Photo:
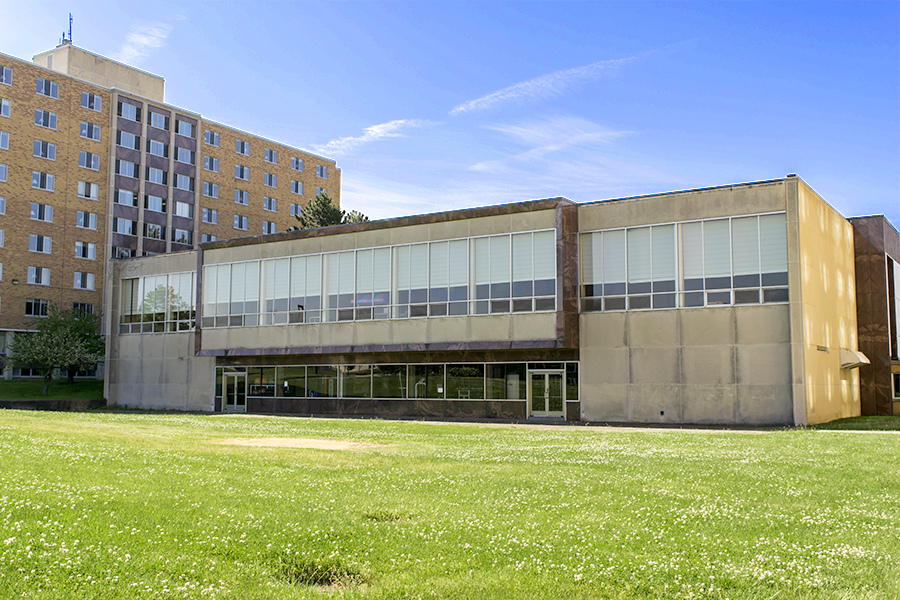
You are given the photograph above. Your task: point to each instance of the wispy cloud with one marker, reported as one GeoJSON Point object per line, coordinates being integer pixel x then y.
{"type": "Point", "coordinates": [141, 41]}
{"type": "Point", "coordinates": [345, 145]}
{"type": "Point", "coordinates": [544, 86]}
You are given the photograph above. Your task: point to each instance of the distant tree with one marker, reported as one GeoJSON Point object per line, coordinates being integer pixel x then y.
{"type": "Point", "coordinates": [321, 212]}
{"type": "Point", "coordinates": [66, 339]}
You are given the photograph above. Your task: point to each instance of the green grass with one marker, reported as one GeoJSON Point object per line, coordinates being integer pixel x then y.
{"type": "Point", "coordinates": [60, 389]}
{"type": "Point", "coordinates": [124, 505]}
{"type": "Point", "coordinates": [864, 424]}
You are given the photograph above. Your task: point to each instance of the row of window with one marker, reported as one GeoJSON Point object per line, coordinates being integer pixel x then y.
{"type": "Point", "coordinates": [41, 276]}
{"type": "Point", "coordinates": [44, 212]}
{"type": "Point", "coordinates": [269, 155]}
{"type": "Point", "coordinates": [738, 260]}
{"type": "Point", "coordinates": [36, 307]}
{"type": "Point", "coordinates": [485, 275]}
{"type": "Point", "coordinates": [152, 231]}
{"type": "Point", "coordinates": [157, 120]}
{"type": "Point", "coordinates": [440, 381]}
{"type": "Point", "coordinates": [154, 175]}
{"type": "Point", "coordinates": [48, 119]}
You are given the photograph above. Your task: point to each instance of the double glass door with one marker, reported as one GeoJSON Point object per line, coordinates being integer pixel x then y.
{"type": "Point", "coordinates": [546, 393]}
{"type": "Point", "coordinates": [235, 398]}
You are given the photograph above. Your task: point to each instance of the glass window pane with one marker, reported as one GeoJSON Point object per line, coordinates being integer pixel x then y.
{"type": "Point", "coordinates": [500, 259]}
{"type": "Point", "coordinates": [745, 246]}
{"type": "Point", "coordinates": [663, 261]}
{"type": "Point", "coordinates": [506, 381]}
{"type": "Point", "coordinates": [356, 381]}
{"type": "Point", "coordinates": [322, 381]}
{"type": "Point", "coordinates": [522, 268]}
{"type": "Point", "coordinates": [389, 381]}
{"type": "Point", "coordinates": [614, 260]}
{"type": "Point", "coordinates": [426, 381]}
{"type": "Point", "coordinates": [465, 382]}
{"type": "Point", "coordinates": [440, 268]}
{"type": "Point", "coordinates": [638, 255]}
{"type": "Point", "coordinates": [773, 243]}
{"type": "Point", "coordinates": [716, 249]}
{"type": "Point", "coordinates": [292, 382]}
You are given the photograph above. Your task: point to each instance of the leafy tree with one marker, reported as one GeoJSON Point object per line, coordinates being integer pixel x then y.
{"type": "Point", "coordinates": [67, 339]}
{"type": "Point", "coordinates": [321, 212]}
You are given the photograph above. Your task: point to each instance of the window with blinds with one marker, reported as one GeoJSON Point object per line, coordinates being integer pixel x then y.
{"type": "Point", "coordinates": [485, 275]}
{"type": "Point", "coordinates": [739, 260]}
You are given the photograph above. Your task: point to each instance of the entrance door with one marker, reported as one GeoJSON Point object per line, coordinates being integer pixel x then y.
{"type": "Point", "coordinates": [235, 392]}
{"type": "Point", "coordinates": [546, 393]}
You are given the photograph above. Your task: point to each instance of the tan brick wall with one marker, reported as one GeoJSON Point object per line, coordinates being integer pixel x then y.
{"type": "Point", "coordinates": [17, 224]}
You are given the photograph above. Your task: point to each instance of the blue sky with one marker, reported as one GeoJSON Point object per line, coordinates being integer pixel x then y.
{"type": "Point", "coordinates": [436, 106]}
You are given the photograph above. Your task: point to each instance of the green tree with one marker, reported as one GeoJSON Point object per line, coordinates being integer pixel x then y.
{"type": "Point", "coordinates": [321, 212]}
{"type": "Point", "coordinates": [67, 339]}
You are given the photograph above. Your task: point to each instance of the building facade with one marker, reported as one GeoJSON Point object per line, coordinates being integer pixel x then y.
{"type": "Point", "coordinates": [878, 308]}
{"type": "Point", "coordinates": [94, 164]}
{"type": "Point", "coordinates": [728, 305]}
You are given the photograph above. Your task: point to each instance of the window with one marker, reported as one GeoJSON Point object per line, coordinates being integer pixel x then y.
{"type": "Point", "coordinates": [85, 250]}
{"type": "Point", "coordinates": [241, 222]}
{"type": "Point", "coordinates": [183, 155]}
{"type": "Point", "coordinates": [184, 128]}
{"type": "Point", "coordinates": [241, 197]}
{"type": "Point", "coordinates": [321, 171]}
{"type": "Point", "coordinates": [124, 226]}
{"type": "Point", "coordinates": [128, 140]}
{"type": "Point", "coordinates": [91, 101]}
{"type": "Point", "coordinates": [87, 190]}
{"type": "Point", "coordinates": [296, 209]}
{"type": "Point", "coordinates": [210, 189]}
{"type": "Point", "coordinates": [268, 227]}
{"type": "Point", "coordinates": [4, 107]}
{"type": "Point", "coordinates": [90, 131]}
{"type": "Point", "coordinates": [4, 140]}
{"type": "Point", "coordinates": [48, 88]}
{"type": "Point", "coordinates": [183, 182]}
{"type": "Point", "coordinates": [38, 276]}
{"type": "Point", "coordinates": [154, 231]}
{"type": "Point", "coordinates": [128, 169]}
{"type": "Point", "coordinates": [44, 118]}
{"type": "Point", "coordinates": [86, 220]}
{"type": "Point", "coordinates": [242, 147]}
{"type": "Point", "coordinates": [119, 252]}
{"type": "Point", "coordinates": [211, 164]}
{"type": "Point", "coordinates": [40, 243]}
{"type": "Point", "coordinates": [272, 156]}
{"type": "Point", "coordinates": [183, 209]}
{"type": "Point", "coordinates": [211, 138]}
{"type": "Point", "coordinates": [2, 239]}
{"type": "Point", "coordinates": [159, 121]}
{"type": "Point", "coordinates": [270, 180]}
{"type": "Point", "coordinates": [210, 215]}
{"type": "Point", "coordinates": [84, 308]}
{"type": "Point", "coordinates": [320, 190]}
{"type": "Point", "coordinates": [296, 163]}
{"type": "Point", "coordinates": [42, 181]}
{"type": "Point", "coordinates": [154, 203]}
{"type": "Point", "coordinates": [3, 171]}
{"type": "Point", "coordinates": [242, 172]}
{"type": "Point", "coordinates": [129, 111]}
{"type": "Point", "coordinates": [84, 281]}
{"type": "Point", "coordinates": [2, 205]}
{"type": "Point", "coordinates": [182, 236]}
{"type": "Point", "coordinates": [157, 148]}
{"type": "Point", "coordinates": [297, 187]}
{"type": "Point", "coordinates": [44, 150]}
{"type": "Point", "coordinates": [89, 160]}
{"type": "Point", "coordinates": [41, 212]}
{"type": "Point", "coordinates": [36, 308]}
{"type": "Point", "coordinates": [143, 310]}
{"type": "Point", "coordinates": [207, 237]}
{"type": "Point", "coordinates": [6, 75]}
{"type": "Point", "coordinates": [270, 204]}
{"type": "Point", "coordinates": [154, 175]}
{"type": "Point", "coordinates": [126, 198]}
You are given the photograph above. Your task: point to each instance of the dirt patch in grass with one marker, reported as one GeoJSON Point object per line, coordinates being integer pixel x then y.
{"type": "Point", "coordinates": [314, 444]}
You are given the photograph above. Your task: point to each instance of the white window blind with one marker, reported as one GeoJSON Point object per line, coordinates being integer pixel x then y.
{"type": "Point", "coordinates": [614, 256]}
{"type": "Point", "coordinates": [458, 273]}
{"type": "Point", "coordinates": [381, 269]}
{"type": "Point", "coordinates": [522, 267]}
{"type": "Point", "coordinates": [716, 248]}
{"type": "Point", "coordinates": [418, 266]}
{"type": "Point", "coordinates": [223, 285]}
{"type": "Point", "coordinates": [440, 270]}
{"type": "Point", "coordinates": [638, 255]}
{"type": "Point", "coordinates": [663, 259]}
{"type": "Point", "coordinates": [591, 259]}
{"type": "Point", "coordinates": [314, 276]}
{"type": "Point", "coordinates": [692, 250]}
{"type": "Point", "coordinates": [773, 243]}
{"type": "Point", "coordinates": [298, 278]}
{"type": "Point", "coordinates": [364, 271]}
{"type": "Point", "coordinates": [544, 255]}
{"type": "Point", "coordinates": [481, 257]}
{"type": "Point", "coordinates": [500, 259]}
{"type": "Point", "coordinates": [238, 276]}
{"type": "Point", "coordinates": [745, 245]}
{"type": "Point", "coordinates": [401, 261]}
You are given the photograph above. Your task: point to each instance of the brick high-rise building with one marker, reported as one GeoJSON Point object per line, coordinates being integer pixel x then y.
{"type": "Point", "coordinates": [95, 165]}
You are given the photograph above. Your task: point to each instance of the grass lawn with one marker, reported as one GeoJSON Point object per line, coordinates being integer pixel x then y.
{"type": "Point", "coordinates": [60, 389]}
{"type": "Point", "coordinates": [125, 505]}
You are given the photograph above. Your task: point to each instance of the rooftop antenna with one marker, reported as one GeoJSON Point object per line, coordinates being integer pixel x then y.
{"type": "Point", "coordinates": [69, 40]}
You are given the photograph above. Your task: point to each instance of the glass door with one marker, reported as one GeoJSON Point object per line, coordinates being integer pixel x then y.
{"type": "Point", "coordinates": [235, 399]}
{"type": "Point", "coordinates": [546, 393]}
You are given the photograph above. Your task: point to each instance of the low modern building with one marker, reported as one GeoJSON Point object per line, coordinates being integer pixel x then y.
{"type": "Point", "coordinates": [726, 305]}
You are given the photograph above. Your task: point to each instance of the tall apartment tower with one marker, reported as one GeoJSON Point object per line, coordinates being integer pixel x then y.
{"type": "Point", "coordinates": [94, 165]}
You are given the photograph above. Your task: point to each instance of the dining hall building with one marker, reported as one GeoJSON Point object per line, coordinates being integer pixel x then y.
{"type": "Point", "coordinates": [726, 305]}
